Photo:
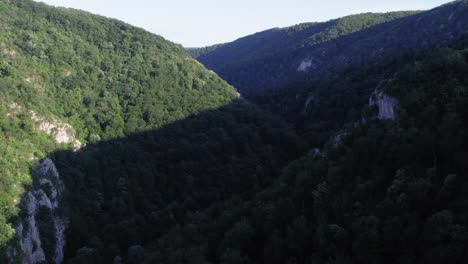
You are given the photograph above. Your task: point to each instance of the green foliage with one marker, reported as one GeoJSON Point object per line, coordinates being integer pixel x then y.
{"type": "Point", "coordinates": [20, 146]}
{"type": "Point", "coordinates": [167, 139]}
{"type": "Point", "coordinates": [140, 189]}
{"type": "Point", "coordinates": [390, 192]}
{"type": "Point", "coordinates": [177, 169]}
{"type": "Point", "coordinates": [104, 77]}
{"type": "Point", "coordinates": [343, 61]}
{"type": "Point", "coordinates": [262, 63]}
{"type": "Point", "coordinates": [198, 52]}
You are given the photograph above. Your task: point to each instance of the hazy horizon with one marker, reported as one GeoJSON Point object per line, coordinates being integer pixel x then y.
{"type": "Point", "coordinates": [208, 22]}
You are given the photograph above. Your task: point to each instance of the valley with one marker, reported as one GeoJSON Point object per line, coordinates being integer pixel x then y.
{"type": "Point", "coordinates": [328, 142]}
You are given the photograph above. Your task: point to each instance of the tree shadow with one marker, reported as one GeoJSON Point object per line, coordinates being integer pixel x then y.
{"type": "Point", "coordinates": [136, 190]}
{"type": "Point", "coordinates": [378, 49]}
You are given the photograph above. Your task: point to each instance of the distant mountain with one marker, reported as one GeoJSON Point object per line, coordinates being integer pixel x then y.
{"type": "Point", "coordinates": [391, 188]}
{"type": "Point", "coordinates": [280, 58]}
{"type": "Point", "coordinates": [321, 84]}
{"type": "Point", "coordinates": [262, 52]}
{"type": "Point", "coordinates": [117, 147]}
{"type": "Point", "coordinates": [197, 52]}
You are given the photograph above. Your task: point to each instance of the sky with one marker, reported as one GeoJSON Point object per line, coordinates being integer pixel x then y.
{"type": "Point", "coordinates": [198, 23]}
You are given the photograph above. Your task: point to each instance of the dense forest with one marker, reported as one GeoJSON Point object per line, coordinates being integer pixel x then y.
{"type": "Point", "coordinates": [283, 58]}
{"type": "Point", "coordinates": [144, 187]}
{"type": "Point", "coordinates": [109, 80]}
{"type": "Point", "coordinates": [390, 191]}
{"type": "Point", "coordinates": [198, 52]}
{"type": "Point", "coordinates": [348, 144]}
{"type": "Point", "coordinates": [319, 85]}
{"type": "Point", "coordinates": [275, 55]}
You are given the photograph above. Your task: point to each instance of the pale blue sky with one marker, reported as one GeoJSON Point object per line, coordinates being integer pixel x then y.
{"type": "Point", "coordinates": [196, 23]}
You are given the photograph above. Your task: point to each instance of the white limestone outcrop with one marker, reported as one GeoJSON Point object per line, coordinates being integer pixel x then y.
{"type": "Point", "coordinates": [59, 130]}
{"type": "Point", "coordinates": [62, 132]}
{"type": "Point", "coordinates": [6, 51]}
{"type": "Point", "coordinates": [310, 100]}
{"type": "Point", "coordinates": [305, 65]}
{"type": "Point", "coordinates": [28, 231]}
{"type": "Point", "coordinates": [387, 104]}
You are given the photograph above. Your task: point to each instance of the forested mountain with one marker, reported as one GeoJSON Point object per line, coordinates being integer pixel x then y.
{"type": "Point", "coordinates": [280, 58]}
{"type": "Point", "coordinates": [140, 191]}
{"type": "Point", "coordinates": [197, 52]}
{"type": "Point", "coordinates": [271, 59]}
{"type": "Point", "coordinates": [124, 96]}
{"type": "Point", "coordinates": [116, 146]}
{"type": "Point", "coordinates": [318, 86]}
{"type": "Point", "coordinates": [387, 189]}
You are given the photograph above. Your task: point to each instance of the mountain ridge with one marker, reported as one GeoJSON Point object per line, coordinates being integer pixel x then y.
{"type": "Point", "coordinates": [284, 65]}
{"type": "Point", "coordinates": [356, 154]}
{"type": "Point", "coordinates": [65, 70]}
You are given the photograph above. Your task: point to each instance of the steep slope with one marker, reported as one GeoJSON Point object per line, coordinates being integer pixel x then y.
{"type": "Point", "coordinates": [134, 193]}
{"type": "Point", "coordinates": [95, 86]}
{"type": "Point", "coordinates": [20, 147]}
{"type": "Point", "coordinates": [271, 56]}
{"type": "Point", "coordinates": [117, 147]}
{"type": "Point", "coordinates": [321, 86]}
{"type": "Point", "coordinates": [102, 75]}
{"type": "Point", "coordinates": [198, 52]}
{"type": "Point", "coordinates": [274, 59]}
{"type": "Point", "coordinates": [391, 188]}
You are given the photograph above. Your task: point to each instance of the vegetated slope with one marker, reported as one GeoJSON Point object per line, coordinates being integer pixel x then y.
{"type": "Point", "coordinates": [382, 191]}
{"type": "Point", "coordinates": [20, 147]}
{"type": "Point", "coordinates": [103, 76]}
{"type": "Point", "coordinates": [197, 52]}
{"type": "Point", "coordinates": [177, 169]}
{"type": "Point", "coordinates": [129, 197]}
{"type": "Point", "coordinates": [109, 81]}
{"type": "Point", "coordinates": [326, 50]}
{"type": "Point", "coordinates": [270, 56]}
{"type": "Point", "coordinates": [338, 76]}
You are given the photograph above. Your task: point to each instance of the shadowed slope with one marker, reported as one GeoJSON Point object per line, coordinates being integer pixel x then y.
{"type": "Point", "coordinates": [381, 191]}
{"type": "Point", "coordinates": [105, 78]}
{"type": "Point", "coordinates": [276, 59]}
{"type": "Point", "coordinates": [140, 189]}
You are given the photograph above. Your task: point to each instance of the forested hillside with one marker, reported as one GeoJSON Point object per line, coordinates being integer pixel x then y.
{"type": "Point", "coordinates": [284, 58]}
{"type": "Point", "coordinates": [382, 191]}
{"type": "Point", "coordinates": [117, 147]}
{"type": "Point", "coordinates": [160, 190]}
{"type": "Point", "coordinates": [198, 52]}
{"type": "Point", "coordinates": [268, 60]}
{"type": "Point", "coordinates": [101, 80]}
{"type": "Point", "coordinates": [56, 61]}
{"type": "Point", "coordinates": [318, 87]}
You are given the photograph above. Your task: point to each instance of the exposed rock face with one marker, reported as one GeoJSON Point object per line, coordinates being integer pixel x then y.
{"type": "Point", "coordinates": [30, 241]}
{"type": "Point", "coordinates": [45, 195]}
{"type": "Point", "coordinates": [308, 102]}
{"type": "Point", "coordinates": [5, 51]}
{"type": "Point", "coordinates": [336, 140]}
{"type": "Point", "coordinates": [59, 130]}
{"type": "Point", "coordinates": [60, 225]}
{"type": "Point", "coordinates": [14, 109]}
{"type": "Point", "coordinates": [316, 153]}
{"type": "Point", "coordinates": [66, 73]}
{"type": "Point", "coordinates": [43, 199]}
{"type": "Point", "coordinates": [387, 104]}
{"type": "Point", "coordinates": [305, 65]}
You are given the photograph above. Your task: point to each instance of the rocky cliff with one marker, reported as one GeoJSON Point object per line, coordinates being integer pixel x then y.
{"type": "Point", "coordinates": [41, 229]}
{"type": "Point", "coordinates": [387, 104]}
